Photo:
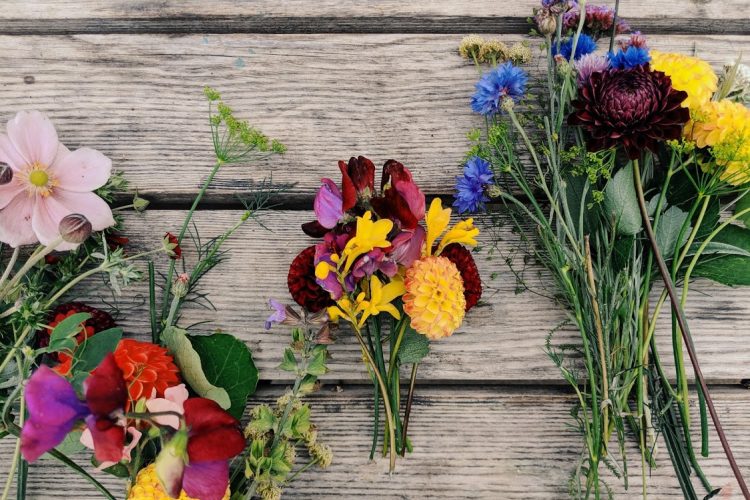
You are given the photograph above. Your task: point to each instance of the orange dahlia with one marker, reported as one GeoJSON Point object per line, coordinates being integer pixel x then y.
{"type": "Point", "coordinates": [434, 298]}
{"type": "Point", "coordinates": [146, 367]}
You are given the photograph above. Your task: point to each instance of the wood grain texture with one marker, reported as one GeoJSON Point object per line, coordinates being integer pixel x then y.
{"type": "Point", "coordinates": [334, 16]}
{"type": "Point", "coordinates": [138, 99]}
{"type": "Point", "coordinates": [469, 443]}
{"type": "Point", "coordinates": [501, 340]}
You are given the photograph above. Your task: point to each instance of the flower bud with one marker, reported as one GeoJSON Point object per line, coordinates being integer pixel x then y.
{"type": "Point", "coordinates": [75, 228]}
{"type": "Point", "coordinates": [6, 174]}
{"type": "Point", "coordinates": [140, 204]}
{"type": "Point", "coordinates": [494, 191]}
{"type": "Point", "coordinates": [545, 22]}
{"type": "Point", "coordinates": [181, 285]}
{"type": "Point", "coordinates": [469, 46]}
{"type": "Point", "coordinates": [507, 104]}
{"type": "Point", "coordinates": [170, 464]}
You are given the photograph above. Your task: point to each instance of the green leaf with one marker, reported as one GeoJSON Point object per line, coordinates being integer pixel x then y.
{"type": "Point", "coordinates": [621, 202]}
{"type": "Point", "coordinates": [731, 270]}
{"type": "Point", "coordinates": [718, 248]}
{"type": "Point", "coordinates": [289, 363]}
{"type": "Point", "coordinates": [228, 363]}
{"type": "Point", "coordinates": [117, 470]}
{"type": "Point", "coordinates": [743, 204]}
{"type": "Point", "coordinates": [61, 338]}
{"type": "Point", "coordinates": [668, 230]}
{"type": "Point", "coordinates": [317, 364]}
{"type": "Point", "coordinates": [70, 445]}
{"type": "Point", "coordinates": [414, 346]}
{"type": "Point", "coordinates": [574, 187]}
{"type": "Point", "coordinates": [191, 368]}
{"type": "Point", "coordinates": [90, 353]}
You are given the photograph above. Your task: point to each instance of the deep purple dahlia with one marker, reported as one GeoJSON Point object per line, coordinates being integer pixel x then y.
{"type": "Point", "coordinates": [635, 108]}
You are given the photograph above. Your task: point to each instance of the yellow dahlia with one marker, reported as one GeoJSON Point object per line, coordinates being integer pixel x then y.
{"type": "Point", "coordinates": [724, 126]}
{"type": "Point", "coordinates": [694, 76]}
{"type": "Point", "coordinates": [147, 487]}
{"type": "Point", "coordinates": [434, 298]}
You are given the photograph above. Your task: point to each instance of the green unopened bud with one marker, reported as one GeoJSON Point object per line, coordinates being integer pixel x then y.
{"type": "Point", "coordinates": [170, 463]}
{"type": "Point", "coordinates": [181, 285]}
{"type": "Point", "coordinates": [140, 204]}
{"type": "Point", "coordinates": [6, 174]}
{"type": "Point", "coordinates": [519, 53]}
{"type": "Point", "coordinates": [469, 46]}
{"type": "Point", "coordinates": [494, 191]}
{"type": "Point", "coordinates": [546, 22]}
{"type": "Point", "coordinates": [507, 104]}
{"type": "Point", "coordinates": [75, 228]}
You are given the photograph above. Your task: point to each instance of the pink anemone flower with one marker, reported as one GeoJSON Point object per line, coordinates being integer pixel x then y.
{"type": "Point", "coordinates": [48, 182]}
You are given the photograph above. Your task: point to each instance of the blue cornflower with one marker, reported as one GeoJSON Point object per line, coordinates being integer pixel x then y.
{"type": "Point", "coordinates": [629, 58]}
{"type": "Point", "coordinates": [470, 192]}
{"type": "Point", "coordinates": [504, 81]}
{"type": "Point", "coordinates": [586, 45]}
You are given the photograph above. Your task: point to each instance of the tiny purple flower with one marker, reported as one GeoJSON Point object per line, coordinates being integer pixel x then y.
{"type": "Point", "coordinates": [278, 315]}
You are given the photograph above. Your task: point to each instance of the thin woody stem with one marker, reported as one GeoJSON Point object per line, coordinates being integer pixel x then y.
{"type": "Point", "coordinates": [680, 315]}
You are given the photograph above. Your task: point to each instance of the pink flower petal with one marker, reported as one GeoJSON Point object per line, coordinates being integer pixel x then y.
{"type": "Point", "coordinates": [89, 205]}
{"type": "Point", "coordinates": [9, 191]}
{"type": "Point", "coordinates": [48, 213]}
{"type": "Point", "coordinates": [9, 154]}
{"type": "Point", "coordinates": [33, 136]}
{"type": "Point", "coordinates": [82, 170]}
{"type": "Point", "coordinates": [15, 221]}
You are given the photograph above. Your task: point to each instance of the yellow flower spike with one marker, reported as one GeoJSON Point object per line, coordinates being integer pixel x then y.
{"type": "Point", "coordinates": [369, 235]}
{"type": "Point", "coordinates": [381, 297]}
{"type": "Point", "coordinates": [437, 220]}
{"type": "Point", "coordinates": [463, 232]}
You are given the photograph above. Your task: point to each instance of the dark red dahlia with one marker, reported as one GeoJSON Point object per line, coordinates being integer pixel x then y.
{"type": "Point", "coordinates": [99, 321]}
{"type": "Point", "coordinates": [464, 261]}
{"type": "Point", "coordinates": [635, 108]}
{"type": "Point", "coordinates": [302, 285]}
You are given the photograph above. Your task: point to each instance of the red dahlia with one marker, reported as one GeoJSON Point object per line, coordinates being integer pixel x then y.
{"type": "Point", "coordinates": [302, 285]}
{"type": "Point", "coordinates": [99, 321]}
{"type": "Point", "coordinates": [464, 261]}
{"type": "Point", "coordinates": [635, 108]}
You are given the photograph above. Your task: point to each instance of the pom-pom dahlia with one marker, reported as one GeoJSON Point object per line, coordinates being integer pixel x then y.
{"type": "Point", "coordinates": [434, 298]}
{"type": "Point", "coordinates": [302, 285]}
{"type": "Point", "coordinates": [146, 367]}
{"type": "Point", "coordinates": [691, 74]}
{"type": "Point", "coordinates": [635, 108]}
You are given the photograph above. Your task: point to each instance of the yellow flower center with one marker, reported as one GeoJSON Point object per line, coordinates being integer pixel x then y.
{"type": "Point", "coordinates": [38, 178]}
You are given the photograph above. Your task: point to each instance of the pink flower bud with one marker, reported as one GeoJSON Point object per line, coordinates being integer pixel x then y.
{"type": "Point", "coordinates": [75, 228]}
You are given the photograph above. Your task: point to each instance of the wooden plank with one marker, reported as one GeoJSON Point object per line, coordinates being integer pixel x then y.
{"type": "Point", "coordinates": [138, 99]}
{"type": "Point", "coordinates": [334, 16]}
{"type": "Point", "coordinates": [469, 443]}
{"type": "Point", "coordinates": [500, 341]}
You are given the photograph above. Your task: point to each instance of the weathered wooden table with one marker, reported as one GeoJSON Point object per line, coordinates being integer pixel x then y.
{"type": "Point", "coordinates": [331, 79]}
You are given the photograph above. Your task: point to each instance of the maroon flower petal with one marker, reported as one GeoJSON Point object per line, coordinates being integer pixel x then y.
{"type": "Point", "coordinates": [213, 433]}
{"type": "Point", "coordinates": [105, 388]}
{"type": "Point", "coordinates": [109, 438]}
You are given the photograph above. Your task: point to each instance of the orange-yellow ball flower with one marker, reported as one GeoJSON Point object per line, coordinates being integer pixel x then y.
{"type": "Point", "coordinates": [146, 367]}
{"type": "Point", "coordinates": [691, 74]}
{"type": "Point", "coordinates": [434, 298]}
{"type": "Point", "coordinates": [148, 487]}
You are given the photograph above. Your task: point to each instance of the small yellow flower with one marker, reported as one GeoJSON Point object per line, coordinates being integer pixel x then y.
{"type": "Point", "coordinates": [434, 298]}
{"type": "Point", "coordinates": [724, 127]}
{"type": "Point", "coordinates": [345, 309]}
{"type": "Point", "coordinates": [463, 232]}
{"type": "Point", "coordinates": [369, 235]}
{"type": "Point", "coordinates": [691, 74]}
{"type": "Point", "coordinates": [469, 46]}
{"type": "Point", "coordinates": [437, 220]}
{"type": "Point", "coordinates": [381, 297]}
{"type": "Point", "coordinates": [148, 487]}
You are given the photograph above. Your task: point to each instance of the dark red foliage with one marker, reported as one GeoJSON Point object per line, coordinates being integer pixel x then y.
{"type": "Point", "coordinates": [302, 285]}
{"type": "Point", "coordinates": [464, 261]}
{"type": "Point", "coordinates": [634, 108]}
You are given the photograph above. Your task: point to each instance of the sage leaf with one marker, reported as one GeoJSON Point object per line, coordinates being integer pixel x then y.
{"type": "Point", "coordinates": [621, 202]}
{"type": "Point", "coordinates": [668, 230]}
{"type": "Point", "coordinates": [414, 346]}
{"type": "Point", "coordinates": [191, 368]}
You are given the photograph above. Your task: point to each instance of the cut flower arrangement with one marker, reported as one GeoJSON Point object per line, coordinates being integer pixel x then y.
{"type": "Point", "coordinates": [397, 272]}
{"type": "Point", "coordinates": [640, 164]}
{"type": "Point", "coordinates": [162, 414]}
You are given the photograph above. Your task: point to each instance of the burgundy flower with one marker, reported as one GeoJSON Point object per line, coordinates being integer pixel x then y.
{"type": "Point", "coordinates": [197, 458]}
{"type": "Point", "coordinates": [357, 181]}
{"type": "Point", "coordinates": [401, 199]}
{"type": "Point", "coordinates": [464, 261]}
{"type": "Point", "coordinates": [635, 108]}
{"type": "Point", "coordinates": [54, 409]}
{"type": "Point", "coordinates": [176, 251]}
{"type": "Point", "coordinates": [598, 22]}
{"type": "Point", "coordinates": [302, 285]}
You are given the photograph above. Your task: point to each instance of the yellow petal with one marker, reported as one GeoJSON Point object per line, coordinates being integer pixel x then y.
{"type": "Point", "coordinates": [437, 220]}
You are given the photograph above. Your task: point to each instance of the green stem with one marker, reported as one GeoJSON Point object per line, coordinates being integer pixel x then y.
{"type": "Point", "coordinates": [9, 265]}
{"type": "Point", "coordinates": [183, 230]}
{"type": "Point", "coordinates": [152, 303]}
{"type": "Point", "coordinates": [407, 412]}
{"type": "Point", "coordinates": [31, 262]}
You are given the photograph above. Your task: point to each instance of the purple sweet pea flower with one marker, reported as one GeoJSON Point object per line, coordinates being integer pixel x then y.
{"type": "Point", "coordinates": [54, 409]}
{"type": "Point", "coordinates": [206, 480]}
{"type": "Point", "coordinates": [329, 204]}
{"type": "Point", "coordinates": [373, 261]}
{"type": "Point", "coordinates": [278, 315]}
{"type": "Point", "coordinates": [407, 246]}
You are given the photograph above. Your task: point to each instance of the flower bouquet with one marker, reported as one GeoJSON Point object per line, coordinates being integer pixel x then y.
{"type": "Point", "coordinates": [394, 270]}
{"type": "Point", "coordinates": [162, 414]}
{"type": "Point", "coordinates": [640, 164]}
